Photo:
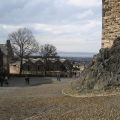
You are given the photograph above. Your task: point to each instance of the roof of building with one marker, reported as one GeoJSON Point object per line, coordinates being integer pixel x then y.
{"type": "Point", "coordinates": [33, 60]}
{"type": "Point", "coordinates": [62, 60]}
{"type": "Point", "coordinates": [4, 49]}
{"type": "Point", "coordinates": [18, 62]}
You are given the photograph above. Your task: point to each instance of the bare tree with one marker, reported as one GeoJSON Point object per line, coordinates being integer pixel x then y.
{"type": "Point", "coordinates": [23, 44]}
{"type": "Point", "coordinates": [47, 51]}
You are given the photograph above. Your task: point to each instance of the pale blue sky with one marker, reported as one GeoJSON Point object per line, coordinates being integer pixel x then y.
{"type": "Point", "coordinates": [70, 25]}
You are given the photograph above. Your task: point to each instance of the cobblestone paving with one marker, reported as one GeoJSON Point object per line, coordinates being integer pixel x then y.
{"type": "Point", "coordinates": [43, 100]}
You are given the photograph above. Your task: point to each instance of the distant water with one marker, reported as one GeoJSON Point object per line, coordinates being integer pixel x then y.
{"type": "Point", "coordinates": [71, 54]}
{"type": "Point", "coordinates": [76, 54]}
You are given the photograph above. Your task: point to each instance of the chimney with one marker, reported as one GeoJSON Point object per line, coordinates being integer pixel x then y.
{"type": "Point", "coordinates": [8, 42]}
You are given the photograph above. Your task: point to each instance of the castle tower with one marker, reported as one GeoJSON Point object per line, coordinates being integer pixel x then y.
{"type": "Point", "coordinates": [9, 49]}
{"type": "Point", "coordinates": [110, 22]}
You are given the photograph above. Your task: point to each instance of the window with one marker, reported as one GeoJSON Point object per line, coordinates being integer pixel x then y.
{"type": "Point", "coordinates": [38, 67]}
{"type": "Point", "coordinates": [57, 67]}
{"type": "Point", "coordinates": [48, 67]}
{"type": "Point", "coordinates": [28, 67]}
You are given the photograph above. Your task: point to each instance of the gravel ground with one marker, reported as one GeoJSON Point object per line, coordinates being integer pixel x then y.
{"type": "Point", "coordinates": [43, 100]}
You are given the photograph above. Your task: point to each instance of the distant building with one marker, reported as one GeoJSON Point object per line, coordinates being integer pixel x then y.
{"type": "Point", "coordinates": [1, 62]}
{"type": "Point", "coordinates": [37, 66]}
{"type": "Point", "coordinates": [6, 56]}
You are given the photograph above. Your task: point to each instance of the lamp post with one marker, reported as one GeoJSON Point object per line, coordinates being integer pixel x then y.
{"type": "Point", "coordinates": [84, 63]}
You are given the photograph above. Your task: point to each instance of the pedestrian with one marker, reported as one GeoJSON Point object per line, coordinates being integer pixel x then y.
{"type": "Point", "coordinates": [75, 74]}
{"type": "Point", "coordinates": [59, 77]}
{"type": "Point", "coordinates": [66, 74]}
{"type": "Point", "coordinates": [1, 80]}
{"type": "Point", "coordinates": [27, 79]}
{"type": "Point", "coordinates": [6, 80]}
{"type": "Point", "coordinates": [79, 73]}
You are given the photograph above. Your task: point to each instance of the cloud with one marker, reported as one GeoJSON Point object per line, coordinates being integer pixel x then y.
{"type": "Point", "coordinates": [84, 3]}
{"type": "Point", "coordinates": [71, 23]}
{"type": "Point", "coordinates": [91, 24]}
{"type": "Point", "coordinates": [84, 14]}
{"type": "Point", "coordinates": [73, 44]}
{"type": "Point", "coordinates": [69, 29]}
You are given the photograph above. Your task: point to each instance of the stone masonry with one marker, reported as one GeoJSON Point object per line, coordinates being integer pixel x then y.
{"type": "Point", "coordinates": [7, 56]}
{"type": "Point", "coordinates": [110, 22]}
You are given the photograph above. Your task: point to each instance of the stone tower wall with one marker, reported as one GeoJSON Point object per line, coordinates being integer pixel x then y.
{"type": "Point", "coordinates": [110, 22]}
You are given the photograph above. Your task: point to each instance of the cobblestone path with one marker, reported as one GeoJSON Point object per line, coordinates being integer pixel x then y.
{"type": "Point", "coordinates": [43, 100]}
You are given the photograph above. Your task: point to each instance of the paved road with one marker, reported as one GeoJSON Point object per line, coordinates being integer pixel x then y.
{"type": "Point", "coordinates": [20, 81]}
{"type": "Point", "coordinates": [44, 84]}
{"type": "Point", "coordinates": [43, 100]}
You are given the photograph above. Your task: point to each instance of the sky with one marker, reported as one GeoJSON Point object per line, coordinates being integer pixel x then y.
{"type": "Point", "coordinates": [69, 25]}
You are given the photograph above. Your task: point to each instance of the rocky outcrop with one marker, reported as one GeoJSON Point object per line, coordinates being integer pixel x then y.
{"type": "Point", "coordinates": [103, 73]}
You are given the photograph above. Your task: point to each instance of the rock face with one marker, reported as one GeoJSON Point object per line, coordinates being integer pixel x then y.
{"type": "Point", "coordinates": [103, 73]}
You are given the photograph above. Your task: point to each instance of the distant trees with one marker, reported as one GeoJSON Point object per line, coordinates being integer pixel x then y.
{"type": "Point", "coordinates": [23, 44]}
{"type": "Point", "coordinates": [47, 51]}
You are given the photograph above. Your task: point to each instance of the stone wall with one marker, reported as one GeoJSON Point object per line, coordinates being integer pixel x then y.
{"type": "Point", "coordinates": [110, 22]}
{"type": "Point", "coordinates": [15, 70]}
{"type": "Point", "coordinates": [8, 58]}
{"type": "Point", "coordinates": [1, 62]}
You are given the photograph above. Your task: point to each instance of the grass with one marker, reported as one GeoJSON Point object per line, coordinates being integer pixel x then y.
{"type": "Point", "coordinates": [75, 93]}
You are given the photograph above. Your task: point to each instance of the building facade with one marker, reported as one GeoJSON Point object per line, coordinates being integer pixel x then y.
{"type": "Point", "coordinates": [7, 56]}
{"type": "Point", "coordinates": [1, 62]}
{"type": "Point", "coordinates": [38, 66]}
{"type": "Point", "coordinates": [110, 22]}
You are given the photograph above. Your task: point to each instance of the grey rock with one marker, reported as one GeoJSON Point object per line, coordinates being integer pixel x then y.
{"type": "Point", "coordinates": [103, 72]}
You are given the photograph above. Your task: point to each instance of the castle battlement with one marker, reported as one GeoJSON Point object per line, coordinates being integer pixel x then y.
{"type": "Point", "coordinates": [110, 22]}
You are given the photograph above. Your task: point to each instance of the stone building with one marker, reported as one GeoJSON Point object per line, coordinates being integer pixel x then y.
{"type": "Point", "coordinates": [36, 66]}
{"type": "Point", "coordinates": [1, 62]}
{"type": "Point", "coordinates": [7, 56]}
{"type": "Point", "coordinates": [110, 22]}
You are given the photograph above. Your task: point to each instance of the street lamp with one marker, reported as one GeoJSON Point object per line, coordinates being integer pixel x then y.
{"type": "Point", "coordinates": [84, 63]}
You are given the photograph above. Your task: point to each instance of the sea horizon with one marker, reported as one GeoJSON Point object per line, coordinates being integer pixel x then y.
{"type": "Point", "coordinates": [76, 54]}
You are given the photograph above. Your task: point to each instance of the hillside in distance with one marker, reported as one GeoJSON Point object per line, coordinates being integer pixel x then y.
{"type": "Point", "coordinates": [76, 54]}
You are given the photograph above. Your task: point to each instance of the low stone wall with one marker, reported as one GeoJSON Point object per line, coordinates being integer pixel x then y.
{"type": "Point", "coordinates": [62, 73]}
{"type": "Point", "coordinates": [15, 70]}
